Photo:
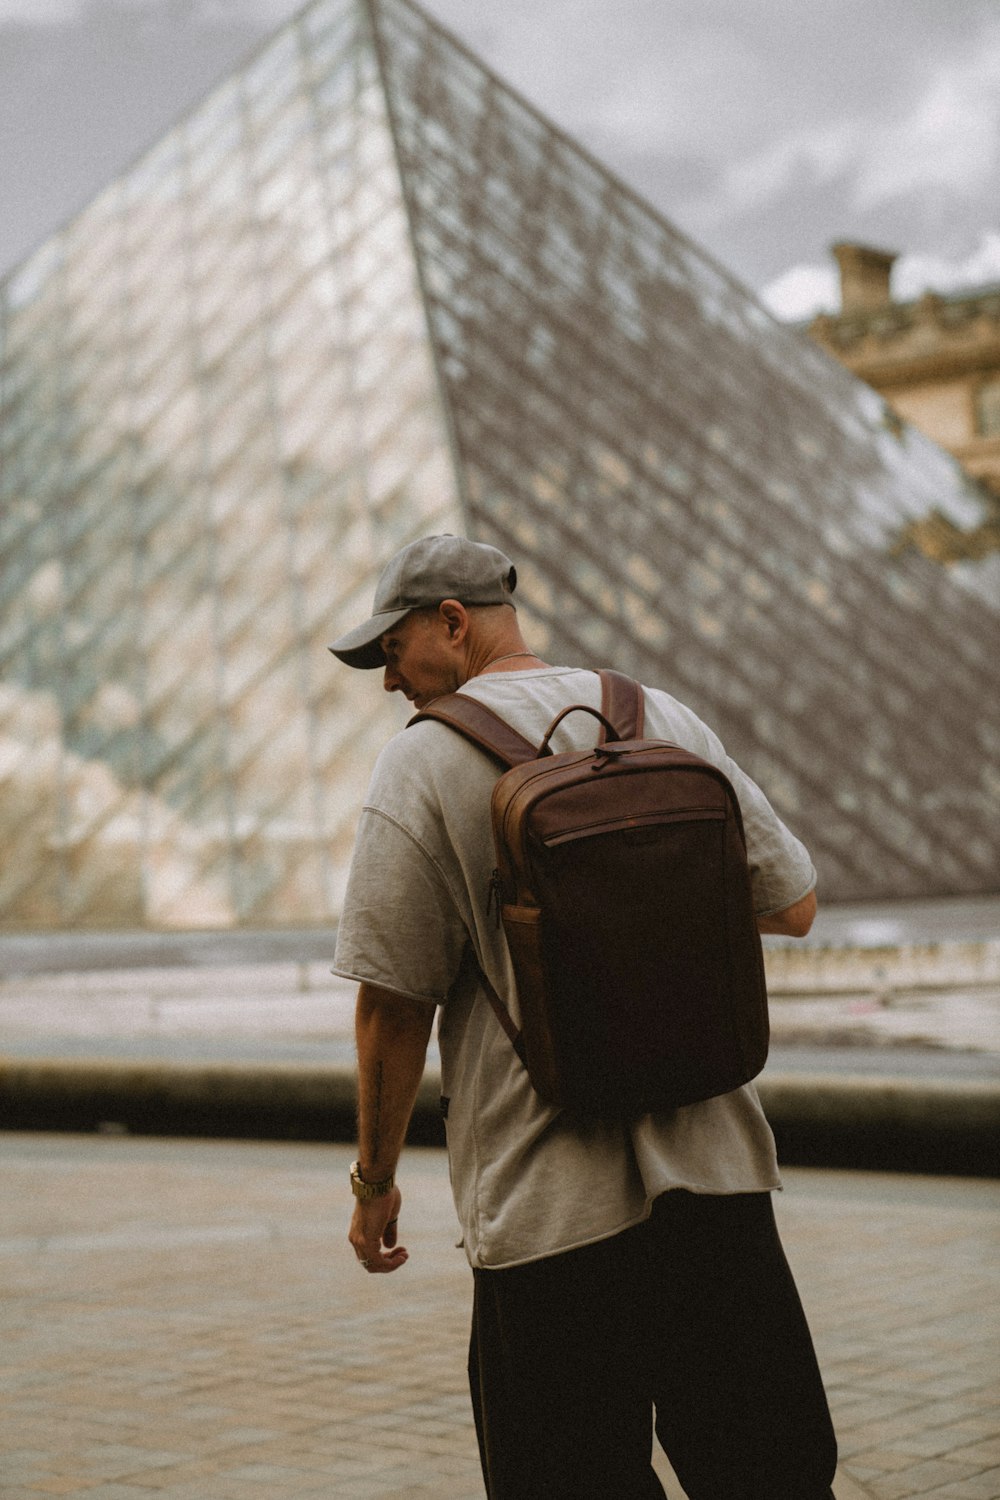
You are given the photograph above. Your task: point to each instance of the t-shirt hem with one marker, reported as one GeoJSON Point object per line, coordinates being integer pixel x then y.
{"type": "Point", "coordinates": [700, 1190]}
{"type": "Point", "coordinates": [479, 1264]}
{"type": "Point", "coordinates": [381, 984]}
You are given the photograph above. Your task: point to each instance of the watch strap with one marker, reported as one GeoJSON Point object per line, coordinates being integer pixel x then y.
{"type": "Point", "coordinates": [368, 1190]}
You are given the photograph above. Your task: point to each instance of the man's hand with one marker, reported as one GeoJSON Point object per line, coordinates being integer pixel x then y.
{"type": "Point", "coordinates": [373, 1226]}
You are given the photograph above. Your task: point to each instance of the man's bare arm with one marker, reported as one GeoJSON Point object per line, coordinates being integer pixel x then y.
{"type": "Point", "coordinates": [392, 1033]}
{"type": "Point", "coordinates": [794, 921]}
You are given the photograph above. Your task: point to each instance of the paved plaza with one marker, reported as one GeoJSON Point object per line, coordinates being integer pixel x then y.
{"type": "Point", "coordinates": [183, 1320]}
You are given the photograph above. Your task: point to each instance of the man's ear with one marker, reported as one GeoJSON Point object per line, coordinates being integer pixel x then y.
{"type": "Point", "coordinates": [456, 618]}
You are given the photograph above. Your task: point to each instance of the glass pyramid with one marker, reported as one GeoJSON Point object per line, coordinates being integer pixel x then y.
{"type": "Point", "coordinates": [364, 293]}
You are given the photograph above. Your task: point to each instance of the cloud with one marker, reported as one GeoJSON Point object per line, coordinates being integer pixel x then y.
{"type": "Point", "coordinates": [658, 95]}
{"type": "Point", "coordinates": [819, 154]}
{"type": "Point", "coordinates": [914, 274]}
{"type": "Point", "coordinates": [113, 76]}
{"type": "Point", "coordinates": [62, 12]}
{"type": "Point", "coordinates": [805, 290]}
{"type": "Point", "coordinates": [911, 160]}
{"type": "Point", "coordinates": [38, 12]}
{"type": "Point", "coordinates": [949, 142]}
{"type": "Point", "coordinates": [801, 292]}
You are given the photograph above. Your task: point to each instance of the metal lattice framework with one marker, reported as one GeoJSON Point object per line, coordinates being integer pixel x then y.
{"type": "Point", "coordinates": [364, 293]}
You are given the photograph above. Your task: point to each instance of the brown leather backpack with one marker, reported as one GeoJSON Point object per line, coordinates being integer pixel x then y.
{"type": "Point", "coordinates": [624, 892]}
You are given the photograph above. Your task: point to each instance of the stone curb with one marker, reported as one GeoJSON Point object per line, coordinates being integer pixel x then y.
{"type": "Point", "coordinates": [903, 967]}
{"type": "Point", "coordinates": [887, 1124]}
{"type": "Point", "coordinates": [838, 1120]}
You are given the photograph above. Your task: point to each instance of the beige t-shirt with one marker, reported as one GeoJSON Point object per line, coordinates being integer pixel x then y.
{"type": "Point", "coordinates": [528, 1181]}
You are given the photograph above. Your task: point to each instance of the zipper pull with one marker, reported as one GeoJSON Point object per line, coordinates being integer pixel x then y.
{"type": "Point", "coordinates": [495, 895]}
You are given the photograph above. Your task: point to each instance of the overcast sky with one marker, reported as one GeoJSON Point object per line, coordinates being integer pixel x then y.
{"type": "Point", "coordinates": [766, 129]}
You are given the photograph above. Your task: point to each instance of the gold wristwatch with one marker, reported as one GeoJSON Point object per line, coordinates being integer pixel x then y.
{"type": "Point", "coordinates": [367, 1190]}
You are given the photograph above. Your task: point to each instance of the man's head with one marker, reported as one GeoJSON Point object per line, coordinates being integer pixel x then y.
{"type": "Point", "coordinates": [420, 576]}
{"type": "Point", "coordinates": [421, 629]}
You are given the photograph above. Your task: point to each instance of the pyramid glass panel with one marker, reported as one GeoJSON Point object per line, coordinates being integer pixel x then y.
{"type": "Point", "coordinates": [365, 293]}
{"type": "Point", "coordinates": [219, 417]}
{"type": "Point", "coordinates": [694, 493]}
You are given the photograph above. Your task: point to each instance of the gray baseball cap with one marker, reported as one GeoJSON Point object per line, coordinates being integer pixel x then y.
{"type": "Point", "coordinates": [425, 572]}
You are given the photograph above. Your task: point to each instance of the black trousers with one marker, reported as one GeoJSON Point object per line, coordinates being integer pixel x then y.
{"type": "Point", "coordinates": [694, 1313]}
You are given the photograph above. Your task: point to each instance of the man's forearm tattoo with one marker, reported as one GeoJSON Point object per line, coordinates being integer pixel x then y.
{"type": "Point", "coordinates": [377, 1112]}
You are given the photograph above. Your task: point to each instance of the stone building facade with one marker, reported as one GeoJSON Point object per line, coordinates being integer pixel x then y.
{"type": "Point", "coordinates": [935, 359]}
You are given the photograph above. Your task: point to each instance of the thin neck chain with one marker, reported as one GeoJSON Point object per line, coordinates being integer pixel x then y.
{"type": "Point", "coordinates": [511, 656]}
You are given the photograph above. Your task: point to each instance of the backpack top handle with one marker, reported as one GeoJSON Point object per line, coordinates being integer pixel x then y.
{"type": "Point", "coordinates": [576, 708]}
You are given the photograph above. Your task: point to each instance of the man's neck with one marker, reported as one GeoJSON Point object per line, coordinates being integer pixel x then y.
{"type": "Point", "coordinates": [511, 661]}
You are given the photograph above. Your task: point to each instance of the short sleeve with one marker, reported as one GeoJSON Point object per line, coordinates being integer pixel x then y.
{"type": "Point", "coordinates": [400, 927]}
{"type": "Point", "coordinates": [780, 867]}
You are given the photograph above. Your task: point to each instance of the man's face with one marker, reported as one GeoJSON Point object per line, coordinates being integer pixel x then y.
{"type": "Point", "coordinates": [418, 662]}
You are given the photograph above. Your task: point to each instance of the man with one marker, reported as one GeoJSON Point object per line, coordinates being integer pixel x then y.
{"type": "Point", "coordinates": [617, 1267]}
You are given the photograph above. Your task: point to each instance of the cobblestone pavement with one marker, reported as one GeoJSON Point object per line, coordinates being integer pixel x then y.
{"type": "Point", "coordinates": [183, 1320]}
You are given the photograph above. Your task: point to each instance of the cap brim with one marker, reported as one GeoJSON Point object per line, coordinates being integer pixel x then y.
{"type": "Point", "coordinates": [360, 646]}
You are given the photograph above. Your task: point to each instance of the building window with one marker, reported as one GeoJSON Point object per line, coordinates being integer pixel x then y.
{"type": "Point", "coordinates": [988, 409]}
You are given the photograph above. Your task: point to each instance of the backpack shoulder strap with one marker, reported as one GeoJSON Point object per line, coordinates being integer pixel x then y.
{"type": "Point", "coordinates": [622, 702]}
{"type": "Point", "coordinates": [491, 733]}
{"type": "Point", "coordinates": [480, 725]}
{"type": "Point", "coordinates": [503, 1015]}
